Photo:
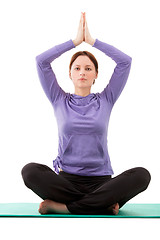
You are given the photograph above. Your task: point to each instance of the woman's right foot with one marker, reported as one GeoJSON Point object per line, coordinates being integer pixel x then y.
{"type": "Point", "coordinates": [49, 206]}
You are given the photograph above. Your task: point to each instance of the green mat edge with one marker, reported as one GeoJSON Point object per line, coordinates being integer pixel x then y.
{"type": "Point", "coordinates": [38, 215]}
{"type": "Point", "coordinates": [75, 216]}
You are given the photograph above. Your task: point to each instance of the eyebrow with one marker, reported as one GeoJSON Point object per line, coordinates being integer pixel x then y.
{"type": "Point", "coordinates": [79, 65]}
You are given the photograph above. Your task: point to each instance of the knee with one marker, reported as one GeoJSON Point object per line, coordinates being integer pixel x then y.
{"type": "Point", "coordinates": [28, 172]}
{"type": "Point", "coordinates": [143, 176]}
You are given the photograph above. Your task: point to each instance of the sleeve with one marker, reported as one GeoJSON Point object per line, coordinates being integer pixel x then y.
{"type": "Point", "coordinates": [121, 71]}
{"type": "Point", "coordinates": [46, 75]}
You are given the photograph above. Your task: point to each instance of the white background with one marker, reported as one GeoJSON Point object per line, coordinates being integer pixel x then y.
{"type": "Point", "coordinates": [28, 128]}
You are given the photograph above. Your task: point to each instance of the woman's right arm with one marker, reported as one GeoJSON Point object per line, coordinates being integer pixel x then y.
{"type": "Point", "coordinates": [46, 75]}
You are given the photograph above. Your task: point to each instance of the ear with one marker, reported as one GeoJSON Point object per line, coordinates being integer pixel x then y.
{"type": "Point", "coordinates": [96, 75]}
{"type": "Point", "coordinates": [70, 75]}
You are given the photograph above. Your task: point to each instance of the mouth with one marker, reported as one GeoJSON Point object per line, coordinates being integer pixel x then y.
{"type": "Point", "coordinates": [82, 79]}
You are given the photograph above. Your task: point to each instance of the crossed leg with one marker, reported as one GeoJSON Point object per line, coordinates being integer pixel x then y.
{"type": "Point", "coordinates": [119, 189]}
{"type": "Point", "coordinates": [60, 195]}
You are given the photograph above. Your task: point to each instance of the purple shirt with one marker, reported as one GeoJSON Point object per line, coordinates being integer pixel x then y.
{"type": "Point", "coordinates": [83, 121]}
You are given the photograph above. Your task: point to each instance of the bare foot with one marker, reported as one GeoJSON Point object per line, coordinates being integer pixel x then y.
{"type": "Point", "coordinates": [114, 209]}
{"type": "Point", "coordinates": [49, 206]}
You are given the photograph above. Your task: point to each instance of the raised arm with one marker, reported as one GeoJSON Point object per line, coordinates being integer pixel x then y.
{"type": "Point", "coordinates": [121, 71]}
{"type": "Point", "coordinates": [46, 75]}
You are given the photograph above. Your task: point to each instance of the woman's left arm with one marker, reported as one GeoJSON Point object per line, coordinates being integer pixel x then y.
{"type": "Point", "coordinates": [121, 71]}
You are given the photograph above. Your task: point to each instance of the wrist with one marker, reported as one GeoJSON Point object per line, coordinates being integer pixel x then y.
{"type": "Point", "coordinates": [75, 42]}
{"type": "Point", "coordinates": [92, 41]}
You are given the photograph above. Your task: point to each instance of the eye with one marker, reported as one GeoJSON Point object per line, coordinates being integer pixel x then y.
{"type": "Point", "coordinates": [76, 68]}
{"type": "Point", "coordinates": [88, 69]}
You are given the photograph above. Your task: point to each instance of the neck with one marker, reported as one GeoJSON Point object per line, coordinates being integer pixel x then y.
{"type": "Point", "coordinates": [82, 93]}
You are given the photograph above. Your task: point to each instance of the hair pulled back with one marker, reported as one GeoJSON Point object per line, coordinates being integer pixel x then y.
{"type": "Point", "coordinates": [84, 53]}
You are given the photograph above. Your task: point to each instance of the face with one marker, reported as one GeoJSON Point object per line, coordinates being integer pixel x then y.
{"type": "Point", "coordinates": [83, 72]}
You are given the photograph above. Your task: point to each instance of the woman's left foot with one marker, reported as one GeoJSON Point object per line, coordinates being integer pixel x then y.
{"type": "Point", "coordinates": [49, 206]}
{"type": "Point", "coordinates": [114, 209]}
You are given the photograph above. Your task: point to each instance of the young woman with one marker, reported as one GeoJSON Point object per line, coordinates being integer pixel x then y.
{"type": "Point", "coordinates": [82, 181]}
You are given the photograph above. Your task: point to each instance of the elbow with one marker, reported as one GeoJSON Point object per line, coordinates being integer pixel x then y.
{"type": "Point", "coordinates": [38, 60]}
{"type": "Point", "coordinates": [126, 61]}
{"type": "Point", "coordinates": [130, 59]}
{"type": "Point", "coordinates": [41, 61]}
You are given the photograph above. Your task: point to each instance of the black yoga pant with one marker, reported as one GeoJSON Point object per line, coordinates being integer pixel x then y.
{"type": "Point", "coordinates": [85, 194]}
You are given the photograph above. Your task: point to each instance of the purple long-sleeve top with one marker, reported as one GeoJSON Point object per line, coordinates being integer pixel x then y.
{"type": "Point", "coordinates": [83, 121]}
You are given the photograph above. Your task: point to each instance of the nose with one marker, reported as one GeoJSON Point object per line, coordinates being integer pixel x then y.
{"type": "Point", "coordinates": [82, 73]}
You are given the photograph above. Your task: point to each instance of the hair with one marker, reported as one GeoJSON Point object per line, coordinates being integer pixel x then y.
{"type": "Point", "coordinates": [84, 53]}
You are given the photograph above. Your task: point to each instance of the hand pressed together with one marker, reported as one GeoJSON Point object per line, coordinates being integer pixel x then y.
{"type": "Point", "coordinates": [83, 33]}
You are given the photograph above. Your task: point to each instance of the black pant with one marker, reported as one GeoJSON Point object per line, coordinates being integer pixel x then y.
{"type": "Point", "coordinates": [85, 194]}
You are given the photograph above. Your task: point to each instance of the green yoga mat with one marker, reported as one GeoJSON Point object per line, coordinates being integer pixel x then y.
{"type": "Point", "coordinates": [127, 211]}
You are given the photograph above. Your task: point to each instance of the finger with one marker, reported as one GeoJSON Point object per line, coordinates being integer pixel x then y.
{"type": "Point", "coordinates": [81, 17]}
{"type": "Point", "coordinates": [84, 17]}
{"type": "Point", "coordinates": [86, 24]}
{"type": "Point", "coordinates": [84, 32]}
{"type": "Point", "coordinates": [81, 21]}
{"type": "Point", "coordinates": [86, 29]}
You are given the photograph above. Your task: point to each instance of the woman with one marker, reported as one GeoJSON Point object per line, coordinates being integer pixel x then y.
{"type": "Point", "coordinates": [82, 181]}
